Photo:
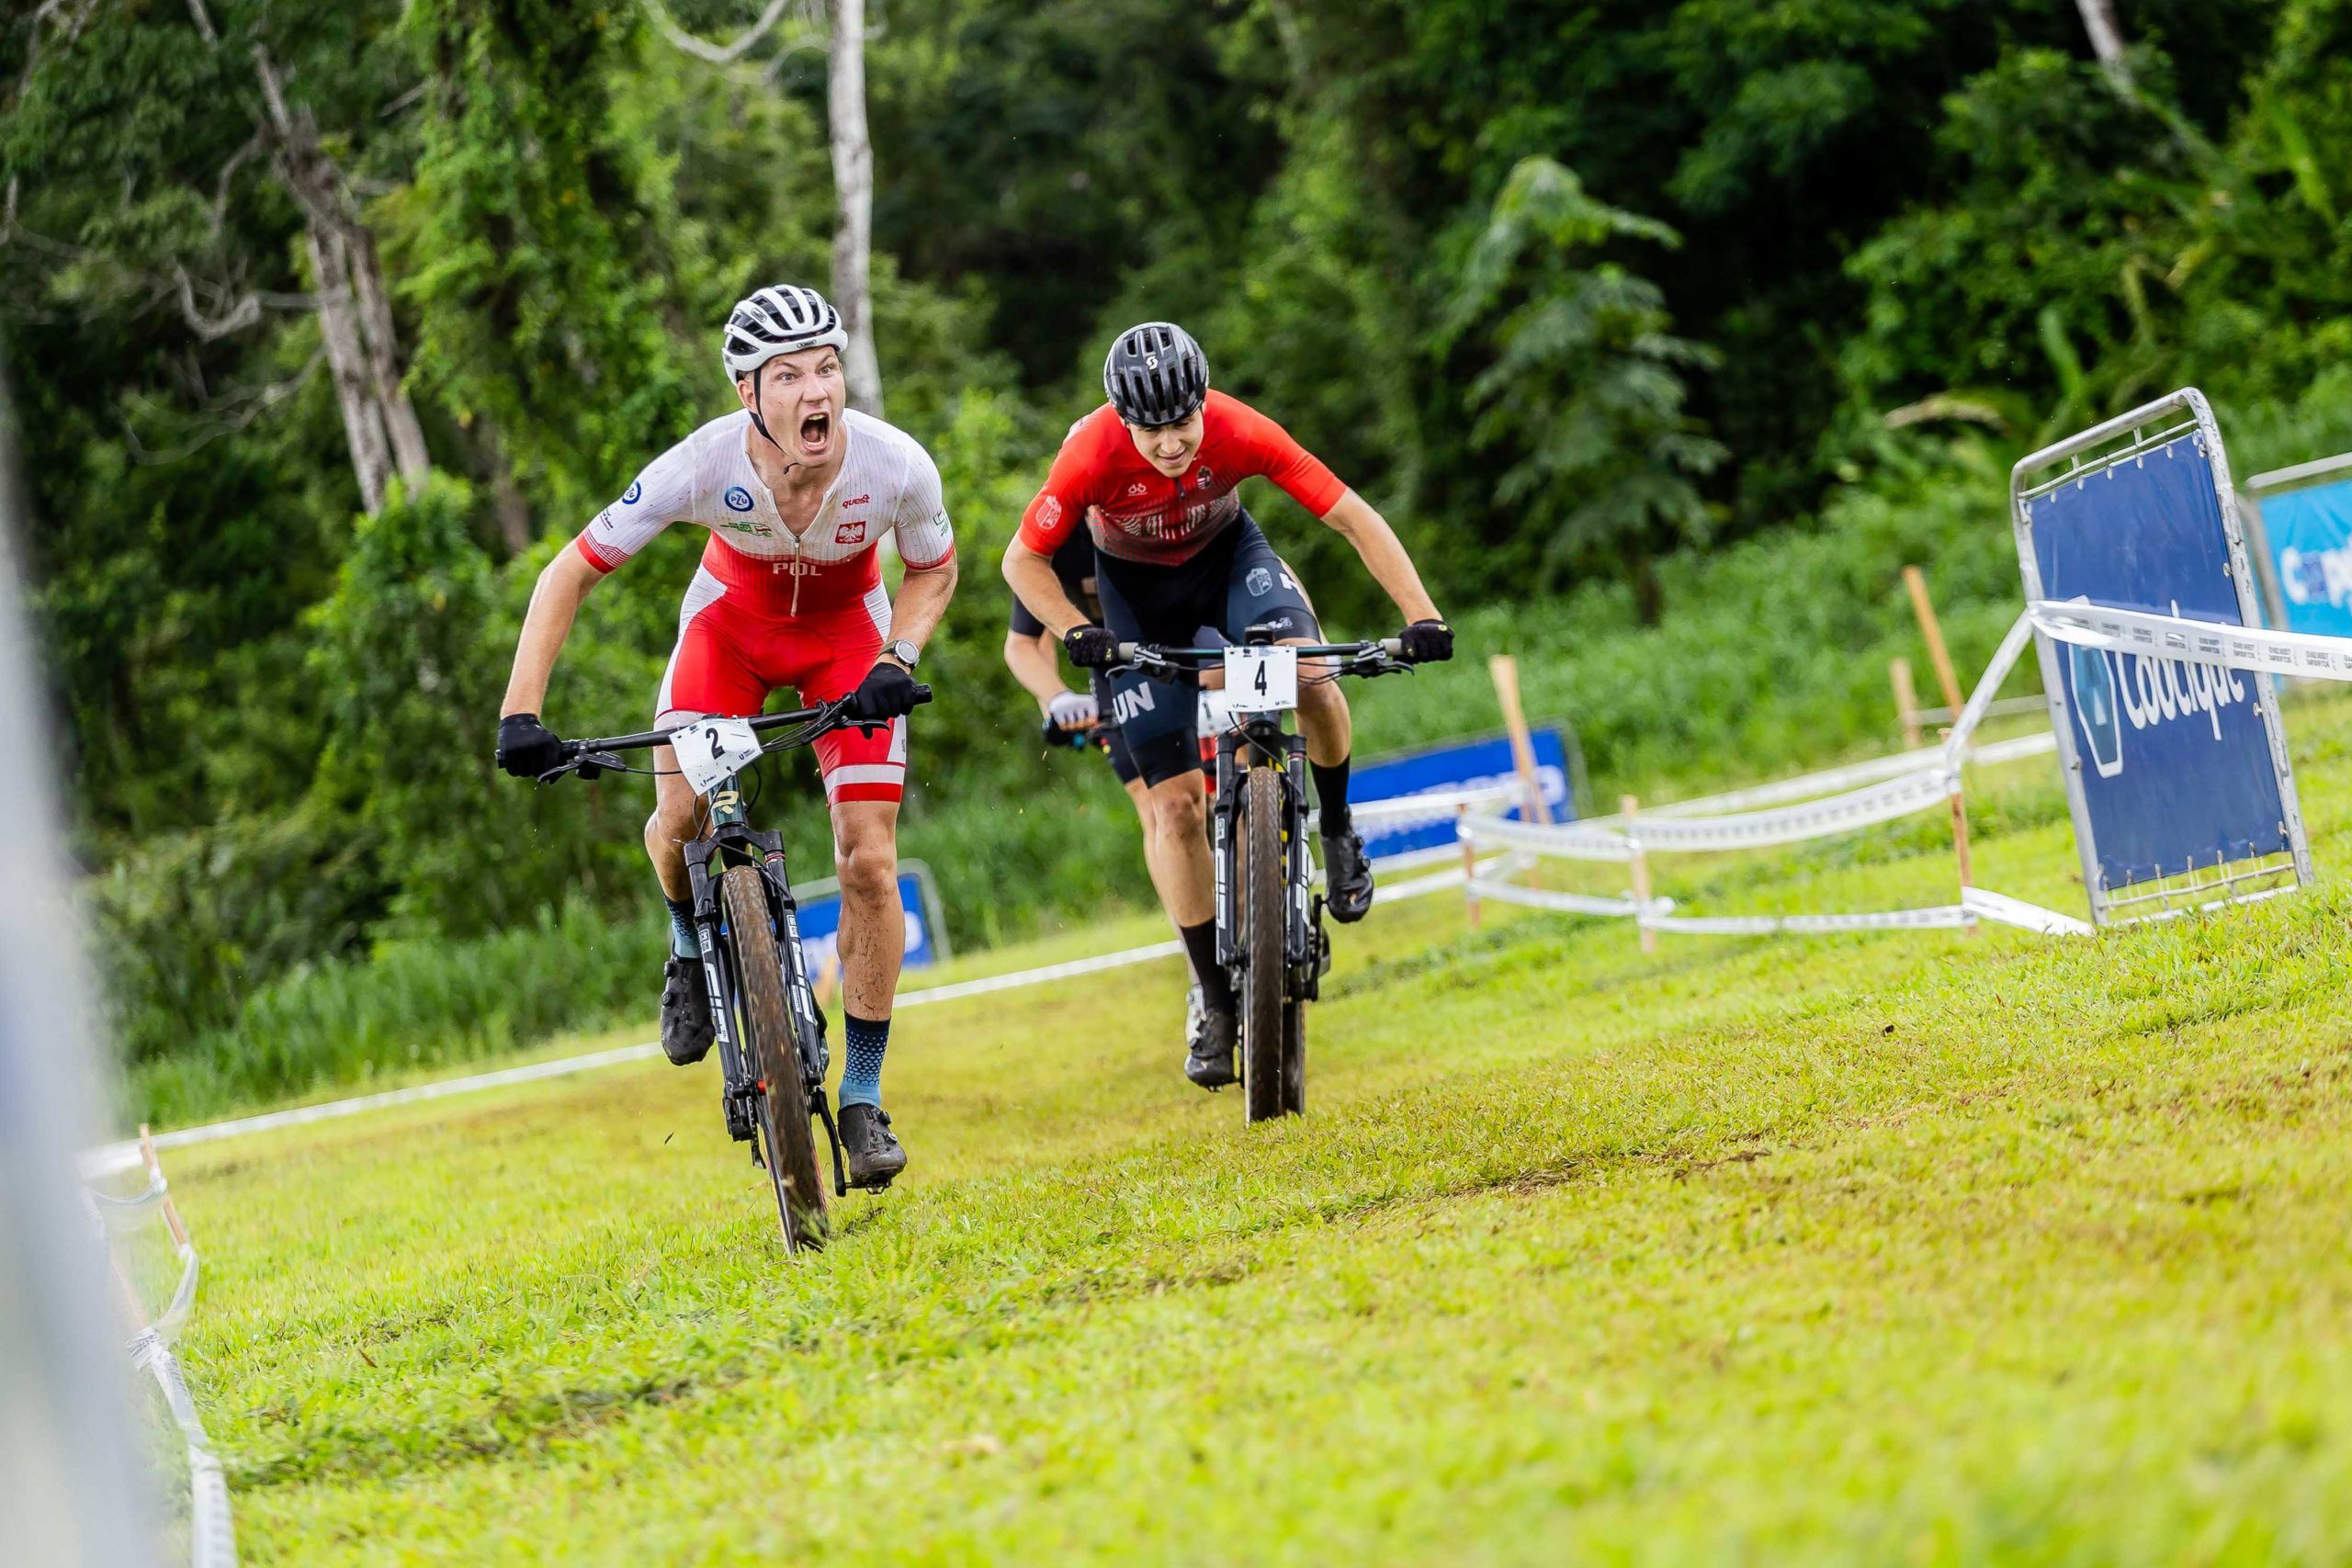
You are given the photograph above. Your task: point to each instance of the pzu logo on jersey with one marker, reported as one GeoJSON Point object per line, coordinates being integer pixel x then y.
{"type": "Point", "coordinates": [738, 499]}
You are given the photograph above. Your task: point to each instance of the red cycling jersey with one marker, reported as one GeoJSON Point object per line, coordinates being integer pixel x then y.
{"type": "Point", "coordinates": [1137, 513]}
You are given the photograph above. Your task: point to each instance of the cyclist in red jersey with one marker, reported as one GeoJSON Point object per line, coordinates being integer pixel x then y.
{"type": "Point", "coordinates": [1152, 475]}
{"type": "Point", "coordinates": [790, 593]}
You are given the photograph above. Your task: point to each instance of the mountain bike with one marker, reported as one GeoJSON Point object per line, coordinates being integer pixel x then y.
{"type": "Point", "coordinates": [764, 1014]}
{"type": "Point", "coordinates": [1269, 932]}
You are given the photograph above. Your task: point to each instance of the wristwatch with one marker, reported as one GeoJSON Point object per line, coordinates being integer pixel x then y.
{"type": "Point", "coordinates": [904, 652]}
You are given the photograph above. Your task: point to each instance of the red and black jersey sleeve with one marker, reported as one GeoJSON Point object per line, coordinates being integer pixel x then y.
{"type": "Point", "coordinates": [1073, 484]}
{"type": "Point", "coordinates": [1269, 450]}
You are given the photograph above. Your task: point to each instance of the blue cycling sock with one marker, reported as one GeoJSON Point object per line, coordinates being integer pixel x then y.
{"type": "Point", "coordinates": [862, 1063]}
{"type": "Point", "coordinates": [683, 942]}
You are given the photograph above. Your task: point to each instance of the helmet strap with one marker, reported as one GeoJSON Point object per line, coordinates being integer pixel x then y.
{"type": "Point", "coordinates": [761, 424]}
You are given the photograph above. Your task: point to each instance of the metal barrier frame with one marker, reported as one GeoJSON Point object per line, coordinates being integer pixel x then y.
{"type": "Point", "coordinates": [2124, 437]}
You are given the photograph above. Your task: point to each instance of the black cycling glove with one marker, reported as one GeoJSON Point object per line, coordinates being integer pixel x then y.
{"type": "Point", "coordinates": [887, 692]}
{"type": "Point", "coordinates": [1428, 642]}
{"type": "Point", "coordinates": [525, 747]}
{"type": "Point", "coordinates": [1092, 648]}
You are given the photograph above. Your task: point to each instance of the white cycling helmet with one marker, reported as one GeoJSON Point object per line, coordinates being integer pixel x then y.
{"type": "Point", "coordinates": [781, 319]}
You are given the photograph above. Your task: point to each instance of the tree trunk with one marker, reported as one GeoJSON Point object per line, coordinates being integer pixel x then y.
{"type": "Point", "coordinates": [854, 202]}
{"type": "Point", "coordinates": [2106, 42]}
{"type": "Point", "coordinates": [384, 355]}
{"type": "Point", "coordinates": [363, 420]}
{"type": "Point", "coordinates": [507, 506]}
{"type": "Point", "coordinates": [355, 316]}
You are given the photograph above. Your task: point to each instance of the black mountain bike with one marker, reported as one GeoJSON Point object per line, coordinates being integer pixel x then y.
{"type": "Point", "coordinates": [1270, 931]}
{"type": "Point", "coordinates": [771, 1036]}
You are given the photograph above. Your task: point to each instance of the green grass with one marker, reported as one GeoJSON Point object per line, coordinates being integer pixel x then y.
{"type": "Point", "coordinates": [1924, 1249]}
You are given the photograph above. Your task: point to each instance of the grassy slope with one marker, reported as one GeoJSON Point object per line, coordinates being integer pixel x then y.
{"type": "Point", "coordinates": [1918, 1248]}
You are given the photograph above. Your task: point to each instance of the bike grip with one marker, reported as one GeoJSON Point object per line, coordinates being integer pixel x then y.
{"type": "Point", "coordinates": [1129, 650]}
{"type": "Point", "coordinates": [922, 694]}
{"type": "Point", "coordinates": [1393, 646]}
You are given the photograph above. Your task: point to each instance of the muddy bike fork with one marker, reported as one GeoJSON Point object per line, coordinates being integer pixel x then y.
{"type": "Point", "coordinates": [1264, 743]}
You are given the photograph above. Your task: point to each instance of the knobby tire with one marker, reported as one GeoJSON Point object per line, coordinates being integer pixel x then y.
{"type": "Point", "coordinates": [766, 1029]}
{"type": "Point", "coordinates": [1264, 882]}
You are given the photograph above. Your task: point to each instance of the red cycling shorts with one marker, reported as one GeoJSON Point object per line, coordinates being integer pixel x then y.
{"type": "Point", "coordinates": [734, 649]}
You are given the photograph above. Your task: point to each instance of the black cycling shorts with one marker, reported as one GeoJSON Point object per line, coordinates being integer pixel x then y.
{"type": "Point", "coordinates": [1236, 583]}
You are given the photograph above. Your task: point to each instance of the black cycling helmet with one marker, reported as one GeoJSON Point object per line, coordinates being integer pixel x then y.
{"type": "Point", "coordinates": [1156, 374]}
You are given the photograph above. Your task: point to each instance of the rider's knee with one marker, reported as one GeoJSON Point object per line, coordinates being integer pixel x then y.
{"type": "Point", "coordinates": [867, 863]}
{"type": "Point", "coordinates": [672, 824]}
{"type": "Point", "coordinates": [1179, 806]}
{"type": "Point", "coordinates": [1319, 699]}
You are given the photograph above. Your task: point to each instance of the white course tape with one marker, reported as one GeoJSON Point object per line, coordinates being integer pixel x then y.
{"type": "Point", "coordinates": [1863, 808]}
{"type": "Point", "coordinates": [1975, 904]}
{"type": "Point", "coordinates": [1545, 899]}
{"type": "Point", "coordinates": [1999, 908]}
{"type": "Point", "coordinates": [2202, 642]}
{"type": "Point", "coordinates": [213, 1542]}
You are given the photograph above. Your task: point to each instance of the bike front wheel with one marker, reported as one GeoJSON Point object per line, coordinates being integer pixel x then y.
{"type": "Point", "coordinates": [788, 1145]}
{"type": "Point", "coordinates": [1264, 882]}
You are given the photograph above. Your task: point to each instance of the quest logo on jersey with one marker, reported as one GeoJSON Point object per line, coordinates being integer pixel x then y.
{"type": "Point", "coordinates": [851, 533]}
{"type": "Point", "coordinates": [857, 501]}
{"type": "Point", "coordinates": [738, 498]}
{"type": "Point", "coordinates": [636, 488]}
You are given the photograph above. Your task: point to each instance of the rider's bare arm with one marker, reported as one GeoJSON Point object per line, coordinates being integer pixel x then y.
{"type": "Point", "coordinates": [1384, 555]}
{"type": "Point", "coordinates": [1034, 659]}
{"type": "Point", "coordinates": [562, 585]}
{"type": "Point", "coordinates": [923, 598]}
{"type": "Point", "coordinates": [1032, 577]}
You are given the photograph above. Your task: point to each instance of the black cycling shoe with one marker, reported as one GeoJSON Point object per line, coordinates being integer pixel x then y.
{"type": "Point", "coordinates": [1209, 1062]}
{"type": "Point", "coordinates": [1347, 877]}
{"type": "Point", "coordinates": [685, 1011]}
{"type": "Point", "coordinates": [874, 1153]}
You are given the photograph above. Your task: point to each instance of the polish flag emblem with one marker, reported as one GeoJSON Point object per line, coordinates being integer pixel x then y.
{"type": "Point", "coordinates": [851, 533]}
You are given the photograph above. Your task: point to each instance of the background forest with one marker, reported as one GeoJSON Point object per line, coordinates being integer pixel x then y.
{"type": "Point", "coordinates": [1667, 333]}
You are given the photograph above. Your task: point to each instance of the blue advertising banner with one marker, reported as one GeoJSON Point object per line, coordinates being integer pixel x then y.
{"type": "Point", "coordinates": [1467, 764]}
{"type": "Point", "coordinates": [820, 926]}
{"type": "Point", "coordinates": [2174, 763]}
{"type": "Point", "coordinates": [2309, 534]}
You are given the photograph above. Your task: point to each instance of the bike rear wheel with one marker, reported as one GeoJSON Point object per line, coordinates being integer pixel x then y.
{"type": "Point", "coordinates": [788, 1144]}
{"type": "Point", "coordinates": [1264, 884]}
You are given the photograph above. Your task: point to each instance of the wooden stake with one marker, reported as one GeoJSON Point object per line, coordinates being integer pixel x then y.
{"type": "Point", "coordinates": [1631, 807]}
{"type": "Point", "coordinates": [1906, 701]}
{"type": "Point", "coordinates": [1504, 671]}
{"type": "Point", "coordinates": [1938, 655]}
{"type": "Point", "coordinates": [1469, 869]}
{"type": "Point", "coordinates": [1960, 847]}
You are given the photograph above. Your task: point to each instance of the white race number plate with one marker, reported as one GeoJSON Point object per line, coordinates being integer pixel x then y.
{"type": "Point", "coordinates": [1262, 680]}
{"type": "Point", "coordinates": [710, 751]}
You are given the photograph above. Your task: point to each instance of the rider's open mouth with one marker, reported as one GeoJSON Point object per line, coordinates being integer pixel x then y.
{"type": "Point", "coordinates": [816, 430]}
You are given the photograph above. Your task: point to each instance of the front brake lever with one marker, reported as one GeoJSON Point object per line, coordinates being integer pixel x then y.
{"type": "Point", "coordinates": [595, 764]}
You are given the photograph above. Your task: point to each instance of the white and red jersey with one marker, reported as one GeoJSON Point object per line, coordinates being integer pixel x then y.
{"type": "Point", "coordinates": [887, 484]}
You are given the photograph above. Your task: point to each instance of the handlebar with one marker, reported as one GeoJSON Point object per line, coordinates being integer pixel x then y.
{"type": "Point", "coordinates": [589, 758]}
{"type": "Point", "coordinates": [1384, 656]}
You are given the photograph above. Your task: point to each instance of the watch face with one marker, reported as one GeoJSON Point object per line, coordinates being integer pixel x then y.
{"type": "Point", "coordinates": [904, 652]}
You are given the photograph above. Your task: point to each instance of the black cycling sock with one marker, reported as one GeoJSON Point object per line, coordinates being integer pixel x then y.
{"type": "Point", "coordinates": [1331, 794]}
{"type": "Point", "coordinates": [1216, 986]}
{"type": "Point", "coordinates": [683, 942]}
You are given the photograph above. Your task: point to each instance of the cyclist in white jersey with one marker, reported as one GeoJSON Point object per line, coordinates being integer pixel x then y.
{"type": "Point", "coordinates": [797, 492]}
